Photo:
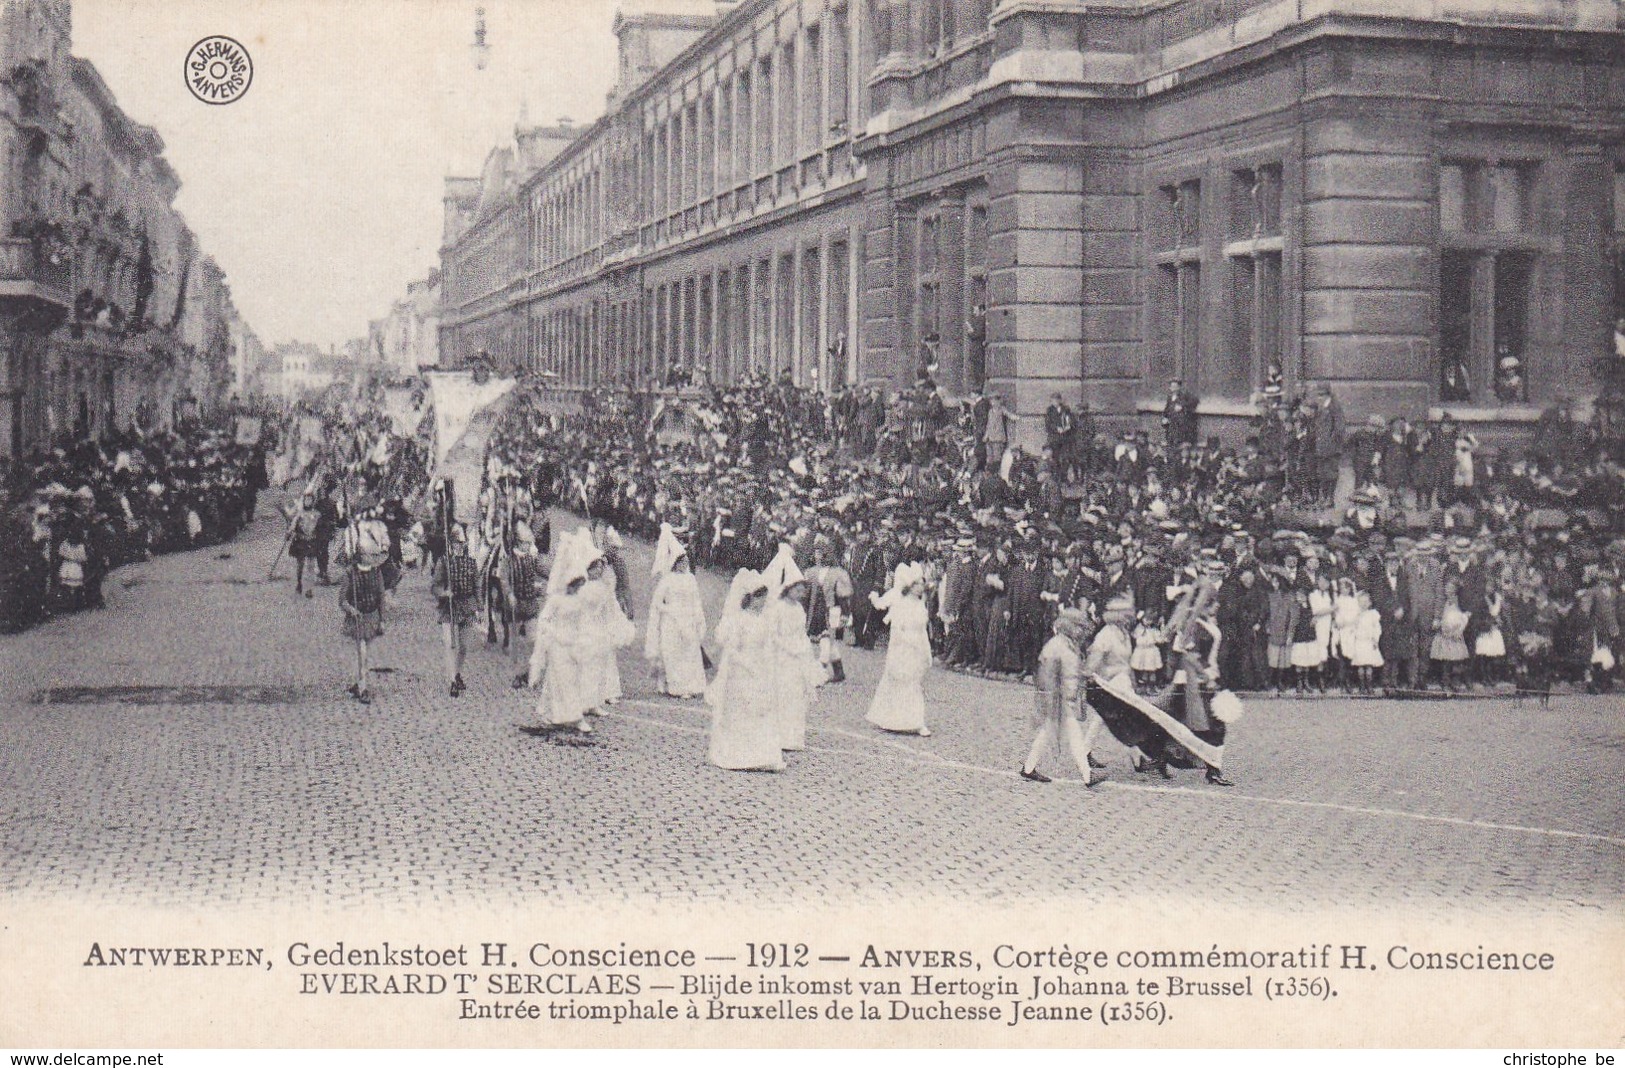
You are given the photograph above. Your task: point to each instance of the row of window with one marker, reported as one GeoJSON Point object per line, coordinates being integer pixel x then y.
{"type": "Point", "coordinates": [1495, 241]}
{"type": "Point", "coordinates": [786, 313]}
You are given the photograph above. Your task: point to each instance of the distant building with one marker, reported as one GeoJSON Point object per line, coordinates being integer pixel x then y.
{"type": "Point", "coordinates": [1089, 199]}
{"type": "Point", "coordinates": [407, 339]}
{"type": "Point", "coordinates": [109, 313]}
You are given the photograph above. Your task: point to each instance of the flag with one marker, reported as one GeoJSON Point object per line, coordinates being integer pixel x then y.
{"type": "Point", "coordinates": [465, 414]}
{"type": "Point", "coordinates": [1142, 724]}
{"type": "Point", "coordinates": [404, 406]}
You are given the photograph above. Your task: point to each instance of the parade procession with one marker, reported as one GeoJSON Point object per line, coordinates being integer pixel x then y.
{"type": "Point", "coordinates": [1004, 449]}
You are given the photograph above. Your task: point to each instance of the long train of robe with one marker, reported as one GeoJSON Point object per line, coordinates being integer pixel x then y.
{"type": "Point", "coordinates": [1141, 724]}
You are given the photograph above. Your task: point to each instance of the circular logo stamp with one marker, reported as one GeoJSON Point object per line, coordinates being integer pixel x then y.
{"type": "Point", "coordinates": [218, 70]}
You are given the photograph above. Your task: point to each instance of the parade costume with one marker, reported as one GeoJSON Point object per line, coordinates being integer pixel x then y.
{"type": "Point", "coordinates": [456, 585]}
{"type": "Point", "coordinates": [612, 631]}
{"type": "Point", "coordinates": [899, 701]}
{"type": "Point", "coordinates": [745, 733]}
{"type": "Point", "coordinates": [361, 595]}
{"type": "Point", "coordinates": [1059, 697]}
{"type": "Point", "coordinates": [567, 639]}
{"type": "Point", "coordinates": [795, 670]}
{"type": "Point", "coordinates": [676, 620]}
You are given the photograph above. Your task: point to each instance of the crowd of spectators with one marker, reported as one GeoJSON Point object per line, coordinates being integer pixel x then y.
{"type": "Point", "coordinates": [1483, 566]}
{"type": "Point", "coordinates": [74, 513]}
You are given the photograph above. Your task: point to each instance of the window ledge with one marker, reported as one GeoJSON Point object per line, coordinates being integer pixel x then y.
{"type": "Point", "coordinates": [1222, 406]}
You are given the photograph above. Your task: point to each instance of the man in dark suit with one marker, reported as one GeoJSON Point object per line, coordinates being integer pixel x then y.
{"type": "Point", "coordinates": [1179, 415]}
{"type": "Point", "coordinates": [866, 566]}
{"type": "Point", "coordinates": [1391, 596]}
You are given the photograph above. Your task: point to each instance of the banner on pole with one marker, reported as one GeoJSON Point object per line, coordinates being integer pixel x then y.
{"type": "Point", "coordinates": [404, 406]}
{"type": "Point", "coordinates": [465, 414]}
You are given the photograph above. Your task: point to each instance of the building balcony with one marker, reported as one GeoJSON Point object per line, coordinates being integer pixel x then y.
{"type": "Point", "coordinates": [28, 278]}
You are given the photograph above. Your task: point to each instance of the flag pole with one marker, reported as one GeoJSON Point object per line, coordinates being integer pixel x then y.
{"type": "Point", "coordinates": [293, 524]}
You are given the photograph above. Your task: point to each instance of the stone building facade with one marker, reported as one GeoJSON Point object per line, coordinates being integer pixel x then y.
{"type": "Point", "coordinates": [109, 312]}
{"type": "Point", "coordinates": [1418, 202]}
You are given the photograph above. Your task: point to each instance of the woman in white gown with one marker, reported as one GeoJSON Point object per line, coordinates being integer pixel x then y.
{"type": "Point", "coordinates": [791, 660]}
{"type": "Point", "coordinates": [566, 639]}
{"type": "Point", "coordinates": [744, 730]}
{"type": "Point", "coordinates": [676, 620]}
{"type": "Point", "coordinates": [614, 632]}
{"type": "Point", "coordinates": [899, 701]}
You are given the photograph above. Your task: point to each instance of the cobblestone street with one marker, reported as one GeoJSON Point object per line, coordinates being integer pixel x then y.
{"type": "Point", "coordinates": [194, 742]}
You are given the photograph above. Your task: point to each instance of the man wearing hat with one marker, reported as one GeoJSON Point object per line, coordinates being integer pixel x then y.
{"type": "Point", "coordinates": [1179, 415]}
{"type": "Point", "coordinates": [1424, 573]}
{"type": "Point", "coordinates": [865, 565]}
{"type": "Point", "coordinates": [1059, 679]}
{"type": "Point", "coordinates": [1390, 597]}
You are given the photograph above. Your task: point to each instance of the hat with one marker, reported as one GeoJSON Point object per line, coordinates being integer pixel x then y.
{"type": "Point", "coordinates": [1120, 606]}
{"type": "Point", "coordinates": [782, 573]}
{"type": "Point", "coordinates": [1071, 622]}
{"type": "Point", "coordinates": [667, 551]}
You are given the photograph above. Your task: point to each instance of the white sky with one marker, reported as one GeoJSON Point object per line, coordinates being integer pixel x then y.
{"type": "Point", "coordinates": [319, 191]}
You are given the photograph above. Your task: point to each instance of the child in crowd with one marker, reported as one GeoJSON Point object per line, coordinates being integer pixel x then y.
{"type": "Point", "coordinates": [1449, 650]}
{"type": "Point", "coordinates": [1146, 660]}
{"type": "Point", "coordinates": [1364, 646]}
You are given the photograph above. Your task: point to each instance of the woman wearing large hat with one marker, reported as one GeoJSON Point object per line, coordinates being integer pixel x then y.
{"type": "Point", "coordinates": [899, 701]}
{"type": "Point", "coordinates": [567, 637]}
{"type": "Point", "coordinates": [795, 669]}
{"type": "Point", "coordinates": [676, 620]}
{"type": "Point", "coordinates": [744, 727]}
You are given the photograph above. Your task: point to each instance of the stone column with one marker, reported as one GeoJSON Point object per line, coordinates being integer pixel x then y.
{"type": "Point", "coordinates": [951, 309]}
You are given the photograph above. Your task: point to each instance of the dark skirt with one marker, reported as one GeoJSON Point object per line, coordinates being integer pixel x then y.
{"type": "Point", "coordinates": [363, 627]}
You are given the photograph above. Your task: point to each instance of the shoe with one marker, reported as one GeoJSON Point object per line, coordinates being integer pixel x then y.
{"type": "Point", "coordinates": [1216, 777]}
{"type": "Point", "coordinates": [310, 593]}
{"type": "Point", "coordinates": [1096, 764]}
{"type": "Point", "coordinates": [1161, 767]}
{"type": "Point", "coordinates": [925, 732]}
{"type": "Point", "coordinates": [583, 727]}
{"type": "Point", "coordinates": [1093, 780]}
{"type": "Point", "coordinates": [365, 697]}
{"type": "Point", "coordinates": [1035, 776]}
{"type": "Point", "coordinates": [520, 681]}
{"type": "Point", "coordinates": [354, 690]}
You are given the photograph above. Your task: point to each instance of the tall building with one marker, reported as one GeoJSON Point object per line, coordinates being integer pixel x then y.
{"type": "Point", "coordinates": [1420, 203]}
{"type": "Point", "coordinates": [407, 339]}
{"type": "Point", "coordinates": [109, 312]}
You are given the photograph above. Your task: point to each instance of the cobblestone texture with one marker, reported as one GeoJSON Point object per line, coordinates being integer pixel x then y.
{"type": "Point", "coordinates": [246, 775]}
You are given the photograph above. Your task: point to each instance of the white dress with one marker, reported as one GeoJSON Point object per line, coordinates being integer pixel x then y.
{"type": "Point", "coordinates": [744, 729]}
{"type": "Point", "coordinates": [1312, 653]}
{"type": "Point", "coordinates": [1364, 645]}
{"type": "Point", "coordinates": [1345, 623]}
{"type": "Point", "coordinates": [676, 629]}
{"type": "Point", "coordinates": [1492, 642]}
{"type": "Point", "coordinates": [610, 631]}
{"type": "Point", "coordinates": [564, 647]}
{"type": "Point", "coordinates": [899, 701]}
{"type": "Point", "coordinates": [794, 667]}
